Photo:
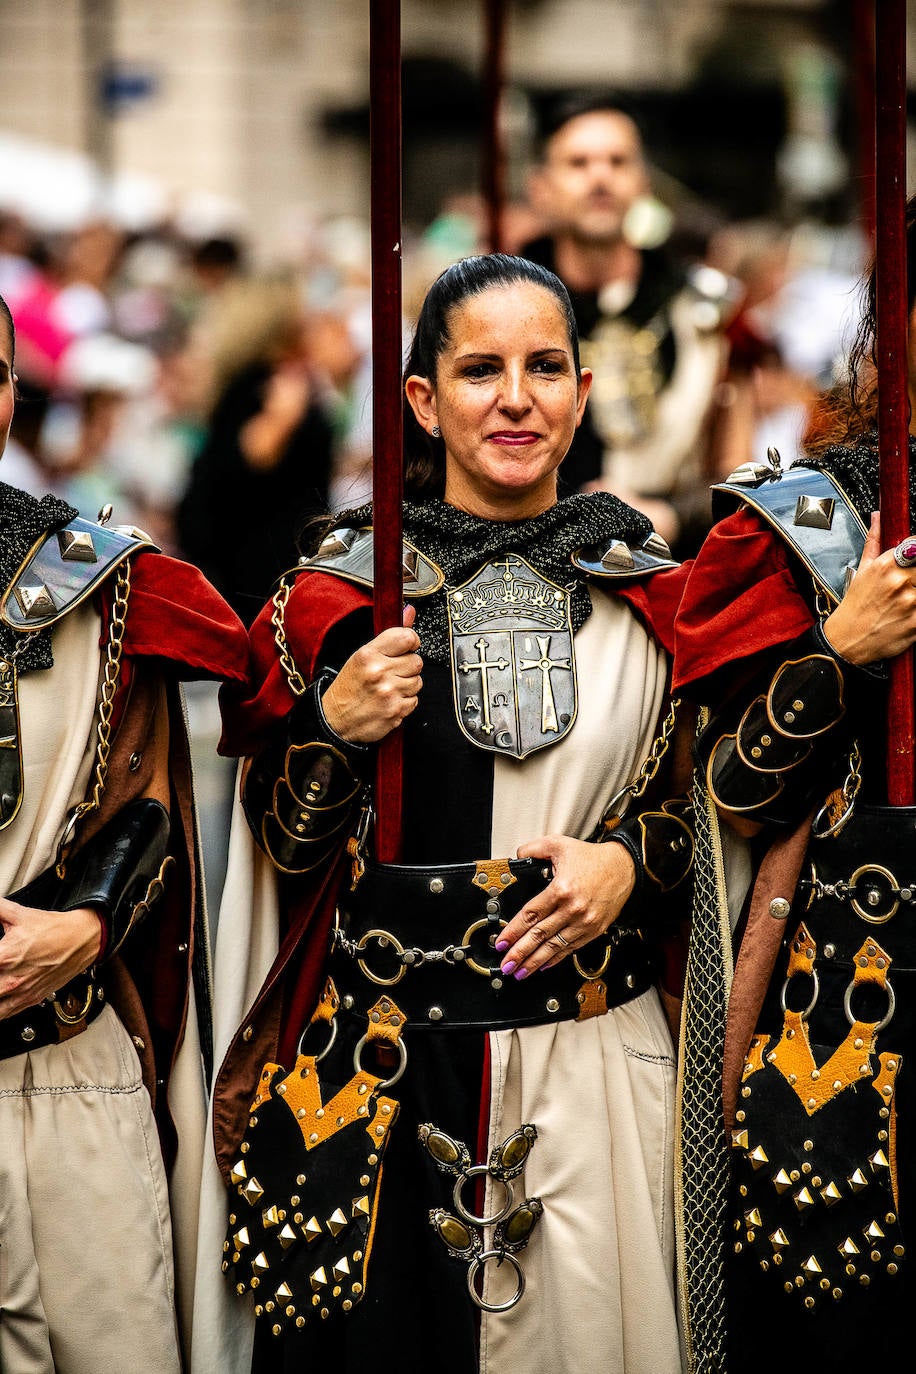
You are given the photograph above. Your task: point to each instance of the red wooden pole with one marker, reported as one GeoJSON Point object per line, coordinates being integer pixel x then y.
{"type": "Point", "coordinates": [387, 347]}
{"type": "Point", "coordinates": [864, 72]}
{"type": "Point", "coordinates": [891, 353]}
{"type": "Point", "coordinates": [494, 160]}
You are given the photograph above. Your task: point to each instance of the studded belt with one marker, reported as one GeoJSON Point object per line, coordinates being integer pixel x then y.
{"type": "Point", "coordinates": [430, 933]}
{"type": "Point", "coordinates": [58, 1018]}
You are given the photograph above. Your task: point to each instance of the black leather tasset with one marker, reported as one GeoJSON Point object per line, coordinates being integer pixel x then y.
{"type": "Point", "coordinates": [822, 1126]}
{"type": "Point", "coordinates": [428, 935]}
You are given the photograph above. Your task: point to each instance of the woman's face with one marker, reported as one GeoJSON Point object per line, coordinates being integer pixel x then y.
{"type": "Point", "coordinates": [6, 384]}
{"type": "Point", "coordinates": [506, 400]}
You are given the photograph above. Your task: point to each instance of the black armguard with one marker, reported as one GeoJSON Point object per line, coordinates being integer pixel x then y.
{"type": "Point", "coordinates": [769, 767]}
{"type": "Point", "coordinates": [120, 871]}
{"type": "Point", "coordinates": [303, 790]}
{"type": "Point", "coordinates": [661, 846]}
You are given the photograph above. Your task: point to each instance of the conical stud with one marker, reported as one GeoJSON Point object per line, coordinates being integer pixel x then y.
{"type": "Point", "coordinates": [287, 1236]}
{"type": "Point", "coordinates": [360, 1207]}
{"type": "Point", "coordinates": [857, 1181]}
{"type": "Point", "coordinates": [270, 1217]}
{"type": "Point", "coordinates": [739, 1140]}
{"type": "Point", "coordinates": [241, 1238]}
{"type": "Point", "coordinates": [336, 1222]}
{"type": "Point", "coordinates": [779, 1240]}
{"type": "Point", "coordinates": [848, 1247]}
{"type": "Point", "coordinates": [318, 1279]}
{"type": "Point", "coordinates": [878, 1160]}
{"type": "Point", "coordinates": [803, 1199]}
{"type": "Point", "coordinates": [312, 1229]}
{"type": "Point", "coordinates": [811, 1265]}
{"type": "Point", "coordinates": [831, 1194]}
{"type": "Point", "coordinates": [872, 1231]}
{"type": "Point", "coordinates": [782, 1181]}
{"type": "Point", "coordinates": [239, 1172]}
{"type": "Point", "coordinates": [252, 1190]}
{"type": "Point", "coordinates": [758, 1157]}
{"type": "Point", "coordinates": [341, 1269]}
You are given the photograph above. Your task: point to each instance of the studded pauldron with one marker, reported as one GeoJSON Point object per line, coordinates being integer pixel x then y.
{"type": "Point", "coordinates": [302, 791]}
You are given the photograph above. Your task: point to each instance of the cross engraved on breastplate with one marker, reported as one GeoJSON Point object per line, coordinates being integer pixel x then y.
{"type": "Point", "coordinates": [483, 668]}
{"type": "Point", "coordinates": [546, 664]}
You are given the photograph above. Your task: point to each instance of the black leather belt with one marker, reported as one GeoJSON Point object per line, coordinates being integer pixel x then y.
{"type": "Point", "coordinates": [60, 1018]}
{"type": "Point", "coordinates": [427, 934]}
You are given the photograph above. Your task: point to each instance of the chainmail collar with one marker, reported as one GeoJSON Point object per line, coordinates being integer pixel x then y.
{"type": "Point", "coordinates": [460, 543]}
{"type": "Point", "coordinates": [855, 466]}
{"type": "Point", "coordinates": [23, 520]}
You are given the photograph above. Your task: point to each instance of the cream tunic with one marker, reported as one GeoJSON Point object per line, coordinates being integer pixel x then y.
{"type": "Point", "coordinates": [600, 1266]}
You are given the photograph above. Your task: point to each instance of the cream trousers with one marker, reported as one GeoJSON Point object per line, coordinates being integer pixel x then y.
{"type": "Point", "coordinates": [86, 1274]}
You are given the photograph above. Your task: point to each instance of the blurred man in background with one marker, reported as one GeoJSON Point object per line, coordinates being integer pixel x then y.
{"type": "Point", "coordinates": [651, 329]}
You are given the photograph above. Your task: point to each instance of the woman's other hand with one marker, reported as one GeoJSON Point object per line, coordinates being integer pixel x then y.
{"type": "Point", "coordinates": [378, 686]}
{"type": "Point", "coordinates": [591, 883]}
{"type": "Point", "coordinates": [877, 617]}
{"type": "Point", "coordinates": [41, 951]}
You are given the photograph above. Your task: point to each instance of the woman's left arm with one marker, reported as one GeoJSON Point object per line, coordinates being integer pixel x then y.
{"type": "Point", "coordinates": [591, 884]}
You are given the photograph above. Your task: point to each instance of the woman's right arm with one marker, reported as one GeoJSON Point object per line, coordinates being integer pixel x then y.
{"type": "Point", "coordinates": [300, 791]}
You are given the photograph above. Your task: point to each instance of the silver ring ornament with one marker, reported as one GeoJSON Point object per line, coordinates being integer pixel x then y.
{"type": "Point", "coordinates": [332, 1026]}
{"type": "Point", "coordinates": [477, 1263]}
{"type": "Point", "coordinates": [886, 1018]}
{"type": "Point", "coordinates": [905, 552]}
{"type": "Point", "coordinates": [399, 1071]}
{"type": "Point", "coordinates": [811, 1005]}
{"type": "Point", "coordinates": [562, 939]}
{"type": "Point", "coordinates": [476, 1171]}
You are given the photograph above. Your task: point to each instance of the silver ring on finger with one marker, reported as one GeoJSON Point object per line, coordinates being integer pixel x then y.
{"type": "Point", "coordinates": [562, 939]}
{"type": "Point", "coordinates": [905, 552]}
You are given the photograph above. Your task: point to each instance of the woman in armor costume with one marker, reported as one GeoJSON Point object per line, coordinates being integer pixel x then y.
{"type": "Point", "coordinates": [789, 615]}
{"type": "Point", "coordinates": [103, 943]}
{"type": "Point", "coordinates": [524, 1216]}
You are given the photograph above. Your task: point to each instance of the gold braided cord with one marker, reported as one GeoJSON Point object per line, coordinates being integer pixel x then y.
{"type": "Point", "coordinates": [114, 650]}
{"type": "Point", "coordinates": [702, 1157]}
{"type": "Point", "coordinates": [294, 678]}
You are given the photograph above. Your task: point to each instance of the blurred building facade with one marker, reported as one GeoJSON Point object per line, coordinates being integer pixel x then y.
{"type": "Point", "coordinates": [251, 114]}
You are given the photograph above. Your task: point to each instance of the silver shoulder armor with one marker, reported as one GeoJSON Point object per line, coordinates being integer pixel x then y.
{"type": "Point", "coordinates": [620, 560]}
{"type": "Point", "coordinates": [63, 568]}
{"type": "Point", "coordinates": [809, 510]}
{"type": "Point", "coordinates": [348, 553]}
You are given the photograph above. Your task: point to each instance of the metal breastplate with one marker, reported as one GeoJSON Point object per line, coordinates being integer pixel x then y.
{"type": "Point", "coordinates": [512, 658]}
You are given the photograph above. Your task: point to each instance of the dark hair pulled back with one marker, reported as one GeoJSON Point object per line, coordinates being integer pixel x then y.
{"type": "Point", "coordinates": [8, 321]}
{"type": "Point", "coordinates": [848, 413]}
{"type": "Point", "coordinates": [424, 457]}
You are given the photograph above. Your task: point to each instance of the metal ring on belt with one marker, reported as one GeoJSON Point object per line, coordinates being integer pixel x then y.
{"type": "Point", "coordinates": [430, 932]}
{"type": "Point", "coordinates": [52, 1021]}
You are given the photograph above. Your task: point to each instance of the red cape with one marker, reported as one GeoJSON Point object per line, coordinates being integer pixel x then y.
{"type": "Point", "coordinates": [320, 601]}
{"type": "Point", "coordinates": [741, 597]}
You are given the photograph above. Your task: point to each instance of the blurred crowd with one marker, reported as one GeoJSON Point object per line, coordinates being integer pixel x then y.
{"type": "Point", "coordinates": [219, 404]}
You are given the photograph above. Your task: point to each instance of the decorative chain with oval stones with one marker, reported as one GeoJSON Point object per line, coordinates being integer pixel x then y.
{"type": "Point", "coordinates": [462, 1235]}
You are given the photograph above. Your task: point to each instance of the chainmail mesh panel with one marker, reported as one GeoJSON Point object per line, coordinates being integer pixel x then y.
{"type": "Point", "coordinates": [703, 1162]}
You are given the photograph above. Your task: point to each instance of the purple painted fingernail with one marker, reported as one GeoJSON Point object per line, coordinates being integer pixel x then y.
{"type": "Point", "coordinates": [522, 973]}
{"type": "Point", "coordinates": [508, 967]}
{"type": "Point", "coordinates": [501, 945]}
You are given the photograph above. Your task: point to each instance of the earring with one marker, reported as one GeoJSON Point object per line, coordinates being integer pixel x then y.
{"type": "Point", "coordinates": [436, 432]}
